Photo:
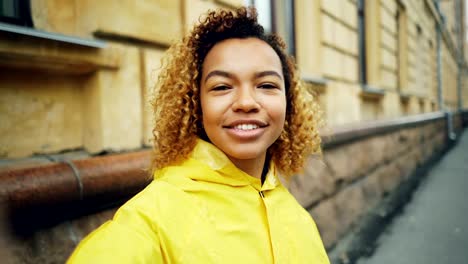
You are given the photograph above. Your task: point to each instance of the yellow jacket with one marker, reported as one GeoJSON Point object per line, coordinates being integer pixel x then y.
{"type": "Point", "coordinates": [207, 211]}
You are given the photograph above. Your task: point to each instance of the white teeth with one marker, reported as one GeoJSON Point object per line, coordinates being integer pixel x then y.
{"type": "Point", "coordinates": [246, 127]}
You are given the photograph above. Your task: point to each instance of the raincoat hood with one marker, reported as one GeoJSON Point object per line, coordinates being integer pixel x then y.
{"type": "Point", "coordinates": [209, 164]}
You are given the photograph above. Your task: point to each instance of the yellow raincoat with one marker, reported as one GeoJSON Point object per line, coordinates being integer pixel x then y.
{"type": "Point", "coordinates": [207, 211]}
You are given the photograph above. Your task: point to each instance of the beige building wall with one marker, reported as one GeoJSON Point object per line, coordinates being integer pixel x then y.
{"type": "Point", "coordinates": [453, 14]}
{"type": "Point", "coordinates": [449, 80]}
{"type": "Point", "coordinates": [449, 8]}
{"type": "Point", "coordinates": [56, 96]}
{"type": "Point", "coordinates": [338, 46]}
{"type": "Point", "coordinates": [422, 55]}
{"type": "Point", "coordinates": [39, 113]}
{"type": "Point", "coordinates": [153, 21]}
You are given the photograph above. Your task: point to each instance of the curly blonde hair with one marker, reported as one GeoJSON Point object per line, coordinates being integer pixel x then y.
{"type": "Point", "coordinates": [177, 109]}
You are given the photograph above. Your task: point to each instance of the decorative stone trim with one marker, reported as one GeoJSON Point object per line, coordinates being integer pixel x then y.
{"type": "Point", "coordinates": [317, 84]}
{"type": "Point", "coordinates": [92, 43]}
{"type": "Point", "coordinates": [370, 92]}
{"type": "Point", "coordinates": [33, 49]}
{"type": "Point", "coordinates": [346, 134]}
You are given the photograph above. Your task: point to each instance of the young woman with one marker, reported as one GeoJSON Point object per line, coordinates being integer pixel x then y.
{"type": "Point", "coordinates": [231, 116]}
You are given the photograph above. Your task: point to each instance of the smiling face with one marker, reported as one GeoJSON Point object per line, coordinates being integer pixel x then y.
{"type": "Point", "coordinates": [243, 99]}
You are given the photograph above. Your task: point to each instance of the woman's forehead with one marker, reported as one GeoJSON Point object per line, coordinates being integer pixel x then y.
{"type": "Point", "coordinates": [246, 53]}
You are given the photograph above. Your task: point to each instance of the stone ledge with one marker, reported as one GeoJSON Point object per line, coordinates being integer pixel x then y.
{"type": "Point", "coordinates": [25, 31]}
{"type": "Point", "coordinates": [346, 134]}
{"type": "Point", "coordinates": [317, 84]}
{"type": "Point", "coordinates": [362, 241]}
{"type": "Point", "coordinates": [370, 92]}
{"type": "Point", "coordinates": [117, 37]}
{"type": "Point", "coordinates": [29, 52]}
{"type": "Point", "coordinates": [404, 97]}
{"type": "Point", "coordinates": [71, 187]}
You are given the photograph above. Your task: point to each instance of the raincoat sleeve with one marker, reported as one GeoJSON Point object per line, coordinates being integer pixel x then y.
{"type": "Point", "coordinates": [131, 237]}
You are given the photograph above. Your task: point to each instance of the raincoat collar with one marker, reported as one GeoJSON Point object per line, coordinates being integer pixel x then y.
{"type": "Point", "coordinates": [208, 163]}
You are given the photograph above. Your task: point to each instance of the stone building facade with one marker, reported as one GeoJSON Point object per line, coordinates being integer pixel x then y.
{"type": "Point", "coordinates": [85, 83]}
{"type": "Point", "coordinates": [77, 76]}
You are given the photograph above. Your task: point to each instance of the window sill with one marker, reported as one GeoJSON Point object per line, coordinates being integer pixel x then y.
{"type": "Point", "coordinates": [25, 48]}
{"type": "Point", "coordinates": [370, 92]}
{"type": "Point", "coordinates": [404, 97]}
{"type": "Point", "coordinates": [316, 84]}
{"type": "Point", "coordinates": [25, 31]}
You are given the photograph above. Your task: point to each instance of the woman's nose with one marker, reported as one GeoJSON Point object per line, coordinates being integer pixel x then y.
{"type": "Point", "coordinates": [245, 100]}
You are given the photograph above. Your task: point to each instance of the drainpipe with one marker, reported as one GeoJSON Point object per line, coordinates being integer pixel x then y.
{"type": "Point", "coordinates": [440, 99]}
{"type": "Point", "coordinates": [458, 10]}
{"type": "Point", "coordinates": [362, 43]}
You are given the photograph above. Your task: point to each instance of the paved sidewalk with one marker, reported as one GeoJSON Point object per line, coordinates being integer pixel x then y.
{"type": "Point", "coordinates": [433, 227]}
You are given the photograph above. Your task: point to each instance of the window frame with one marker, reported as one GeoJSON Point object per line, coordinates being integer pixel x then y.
{"type": "Point", "coordinates": [402, 47]}
{"type": "Point", "coordinates": [22, 10]}
{"type": "Point", "coordinates": [274, 23]}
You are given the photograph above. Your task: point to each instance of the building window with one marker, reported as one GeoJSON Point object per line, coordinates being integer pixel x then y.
{"type": "Point", "coordinates": [285, 18]}
{"type": "Point", "coordinates": [362, 42]}
{"type": "Point", "coordinates": [278, 17]}
{"type": "Point", "coordinates": [371, 13]}
{"type": "Point", "coordinates": [402, 49]}
{"type": "Point", "coordinates": [421, 62]}
{"type": "Point", "coordinates": [265, 13]}
{"type": "Point", "coordinates": [283, 22]}
{"type": "Point", "coordinates": [15, 12]}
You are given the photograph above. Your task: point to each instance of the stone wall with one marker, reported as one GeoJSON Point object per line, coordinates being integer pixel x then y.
{"type": "Point", "coordinates": [58, 96]}
{"type": "Point", "coordinates": [359, 167]}
{"type": "Point", "coordinates": [351, 178]}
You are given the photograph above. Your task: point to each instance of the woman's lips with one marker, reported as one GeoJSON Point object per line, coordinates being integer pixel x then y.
{"type": "Point", "coordinates": [246, 126]}
{"type": "Point", "coordinates": [245, 134]}
{"type": "Point", "coordinates": [241, 123]}
{"type": "Point", "coordinates": [246, 129]}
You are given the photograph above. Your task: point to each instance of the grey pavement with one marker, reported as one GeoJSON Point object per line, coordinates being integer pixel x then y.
{"type": "Point", "coordinates": [433, 227]}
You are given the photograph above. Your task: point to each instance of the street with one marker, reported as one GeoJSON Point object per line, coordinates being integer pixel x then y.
{"type": "Point", "coordinates": [433, 227]}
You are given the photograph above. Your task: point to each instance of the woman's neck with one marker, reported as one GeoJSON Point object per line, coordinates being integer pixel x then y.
{"type": "Point", "coordinates": [253, 167]}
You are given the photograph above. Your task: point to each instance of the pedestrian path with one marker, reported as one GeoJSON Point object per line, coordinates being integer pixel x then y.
{"type": "Point", "coordinates": [433, 227]}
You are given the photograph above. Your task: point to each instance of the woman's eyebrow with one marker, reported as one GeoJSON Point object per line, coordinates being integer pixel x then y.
{"type": "Point", "coordinates": [218, 73]}
{"type": "Point", "coordinates": [266, 73]}
{"type": "Point", "coordinates": [229, 75]}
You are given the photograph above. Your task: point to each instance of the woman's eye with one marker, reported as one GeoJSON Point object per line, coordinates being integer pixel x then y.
{"type": "Point", "coordinates": [221, 88]}
{"type": "Point", "coordinates": [267, 86]}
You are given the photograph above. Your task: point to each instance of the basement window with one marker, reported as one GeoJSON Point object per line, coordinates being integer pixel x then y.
{"type": "Point", "coordinates": [15, 18]}
{"type": "Point", "coordinates": [16, 12]}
